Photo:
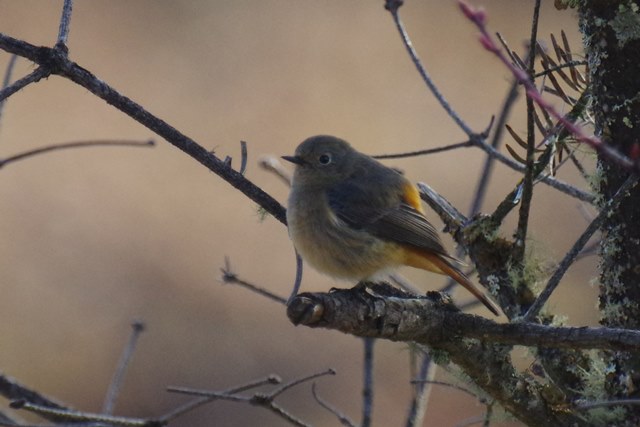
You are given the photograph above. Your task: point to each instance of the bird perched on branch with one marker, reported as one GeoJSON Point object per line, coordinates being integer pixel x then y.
{"type": "Point", "coordinates": [351, 217]}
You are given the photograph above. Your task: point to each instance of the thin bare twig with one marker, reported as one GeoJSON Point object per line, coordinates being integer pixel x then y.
{"type": "Point", "coordinates": [214, 395]}
{"type": "Point", "coordinates": [571, 256]}
{"type": "Point", "coordinates": [33, 77]}
{"type": "Point", "coordinates": [257, 399]}
{"type": "Point", "coordinates": [7, 79]}
{"type": "Point", "coordinates": [515, 196]}
{"type": "Point", "coordinates": [228, 276]}
{"type": "Point", "coordinates": [555, 183]}
{"type": "Point", "coordinates": [8, 73]}
{"type": "Point", "coordinates": [278, 391]}
{"type": "Point", "coordinates": [65, 21]}
{"type": "Point", "coordinates": [243, 157]}
{"type": "Point", "coordinates": [487, 169]}
{"type": "Point", "coordinates": [493, 153]}
{"type": "Point", "coordinates": [284, 414]}
{"type": "Point", "coordinates": [578, 165]}
{"type": "Point", "coordinates": [344, 420]}
{"type": "Point", "coordinates": [424, 152]}
{"type": "Point", "coordinates": [393, 6]}
{"type": "Point", "coordinates": [420, 397]}
{"type": "Point", "coordinates": [137, 327]}
{"type": "Point", "coordinates": [512, 55]}
{"type": "Point", "coordinates": [367, 389]}
{"type": "Point", "coordinates": [189, 406]}
{"type": "Point", "coordinates": [67, 145]}
{"type": "Point", "coordinates": [273, 165]}
{"type": "Point", "coordinates": [298, 280]}
{"type": "Point", "coordinates": [77, 416]}
{"type": "Point", "coordinates": [265, 400]}
{"type": "Point", "coordinates": [529, 174]}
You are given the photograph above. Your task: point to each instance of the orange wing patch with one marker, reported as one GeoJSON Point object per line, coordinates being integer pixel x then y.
{"type": "Point", "coordinates": [411, 196]}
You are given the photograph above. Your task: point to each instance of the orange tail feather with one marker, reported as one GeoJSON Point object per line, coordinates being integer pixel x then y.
{"type": "Point", "coordinates": [437, 264]}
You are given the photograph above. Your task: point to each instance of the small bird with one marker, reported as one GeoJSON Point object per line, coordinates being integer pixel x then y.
{"type": "Point", "coordinates": [351, 217]}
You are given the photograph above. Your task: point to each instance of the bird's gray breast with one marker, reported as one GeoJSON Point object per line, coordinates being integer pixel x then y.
{"type": "Point", "coordinates": [328, 243]}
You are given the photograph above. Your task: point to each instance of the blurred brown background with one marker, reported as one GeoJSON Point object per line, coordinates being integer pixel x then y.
{"type": "Point", "coordinates": [94, 238]}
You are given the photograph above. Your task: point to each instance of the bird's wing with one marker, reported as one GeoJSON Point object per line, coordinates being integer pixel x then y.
{"type": "Point", "coordinates": [398, 217]}
{"type": "Point", "coordinates": [391, 215]}
{"type": "Point", "coordinates": [405, 224]}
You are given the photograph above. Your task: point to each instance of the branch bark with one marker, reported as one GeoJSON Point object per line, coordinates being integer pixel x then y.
{"type": "Point", "coordinates": [480, 347]}
{"type": "Point", "coordinates": [612, 47]}
{"type": "Point", "coordinates": [377, 310]}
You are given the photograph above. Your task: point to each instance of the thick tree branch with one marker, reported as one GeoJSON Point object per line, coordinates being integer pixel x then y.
{"type": "Point", "coordinates": [472, 342]}
{"type": "Point", "coordinates": [374, 310]}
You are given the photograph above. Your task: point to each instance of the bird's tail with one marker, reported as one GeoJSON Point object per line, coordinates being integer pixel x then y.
{"type": "Point", "coordinates": [438, 264]}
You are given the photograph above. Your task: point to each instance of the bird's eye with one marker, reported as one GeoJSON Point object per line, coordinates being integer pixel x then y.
{"type": "Point", "coordinates": [324, 159]}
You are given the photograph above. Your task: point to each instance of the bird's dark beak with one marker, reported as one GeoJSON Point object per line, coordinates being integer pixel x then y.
{"type": "Point", "coordinates": [295, 160]}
